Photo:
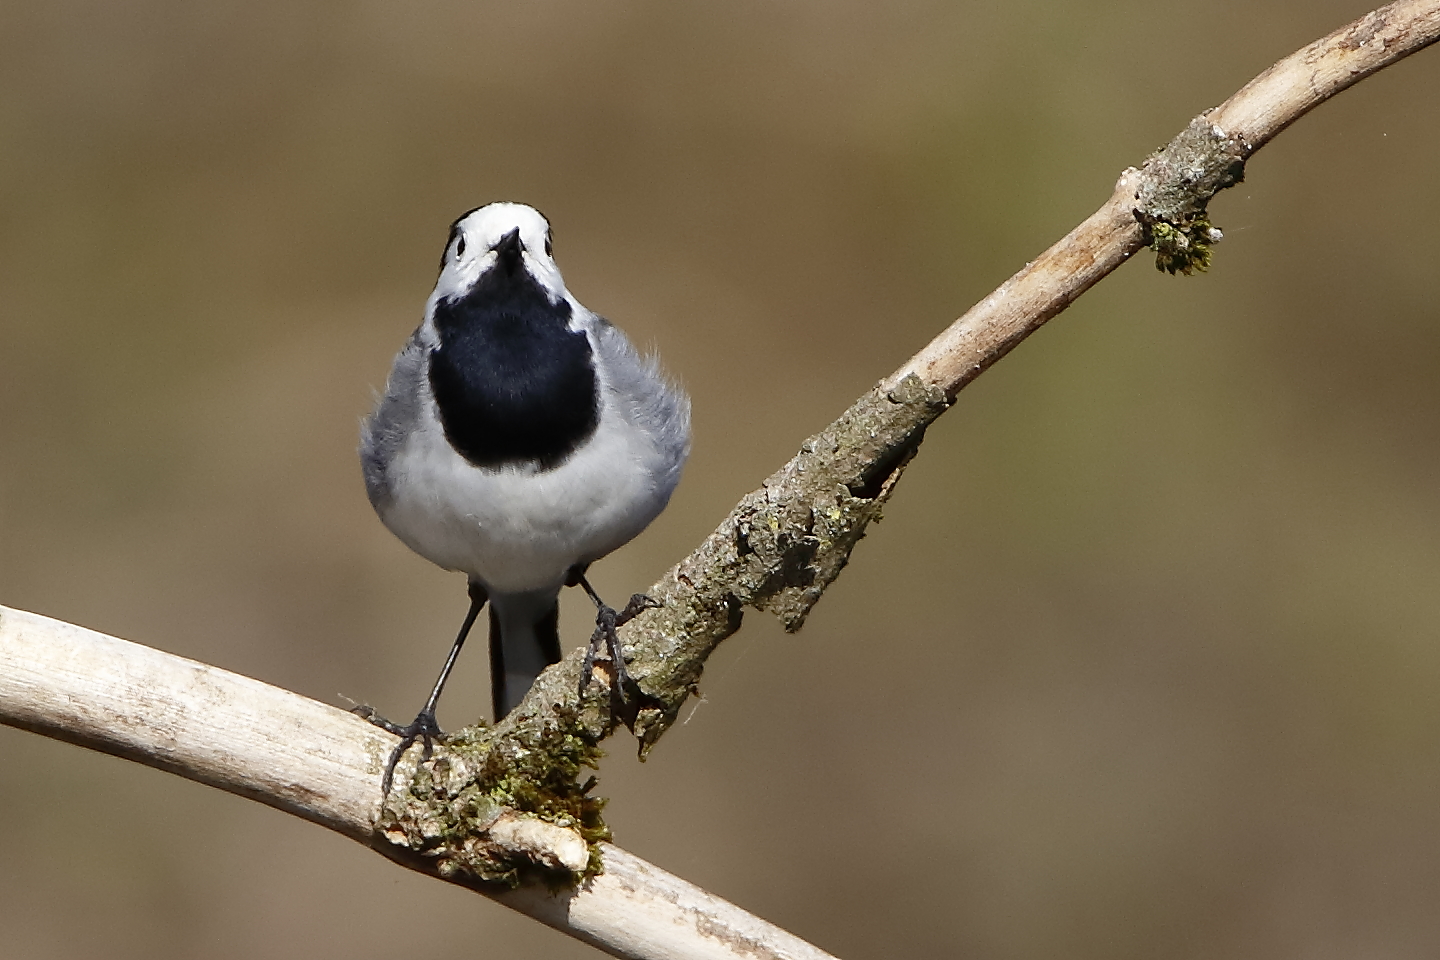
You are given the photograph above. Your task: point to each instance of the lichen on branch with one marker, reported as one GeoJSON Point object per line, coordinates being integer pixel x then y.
{"type": "Point", "coordinates": [465, 809]}
{"type": "Point", "coordinates": [1175, 186]}
{"type": "Point", "coordinates": [780, 548]}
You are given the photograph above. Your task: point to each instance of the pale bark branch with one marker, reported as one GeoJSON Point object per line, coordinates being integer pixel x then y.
{"type": "Point", "coordinates": [323, 764]}
{"type": "Point", "coordinates": [777, 551]}
{"type": "Point", "coordinates": [1111, 235]}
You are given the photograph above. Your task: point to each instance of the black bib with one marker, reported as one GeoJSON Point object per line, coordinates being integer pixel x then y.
{"type": "Point", "coordinates": [513, 385]}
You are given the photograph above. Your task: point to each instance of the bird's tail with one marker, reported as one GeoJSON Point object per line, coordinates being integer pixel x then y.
{"type": "Point", "coordinates": [524, 640]}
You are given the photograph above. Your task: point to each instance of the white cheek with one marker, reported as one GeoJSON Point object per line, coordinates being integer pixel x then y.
{"type": "Point", "coordinates": [466, 272]}
{"type": "Point", "coordinates": [544, 270]}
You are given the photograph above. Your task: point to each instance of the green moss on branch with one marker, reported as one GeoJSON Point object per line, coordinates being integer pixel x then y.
{"type": "Point", "coordinates": [1176, 184]}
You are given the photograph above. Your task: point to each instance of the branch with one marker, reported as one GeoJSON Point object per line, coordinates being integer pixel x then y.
{"type": "Point", "coordinates": [466, 816]}
{"type": "Point", "coordinates": [785, 543]}
{"type": "Point", "coordinates": [1178, 179]}
{"type": "Point", "coordinates": [323, 764]}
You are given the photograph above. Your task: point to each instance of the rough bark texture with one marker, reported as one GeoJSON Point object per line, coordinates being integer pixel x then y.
{"type": "Point", "coordinates": [780, 548]}
{"type": "Point", "coordinates": [1174, 191]}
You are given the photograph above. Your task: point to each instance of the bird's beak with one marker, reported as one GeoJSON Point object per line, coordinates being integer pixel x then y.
{"type": "Point", "coordinates": [508, 251]}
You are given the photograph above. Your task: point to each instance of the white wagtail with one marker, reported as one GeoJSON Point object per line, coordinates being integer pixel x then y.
{"type": "Point", "coordinates": [520, 438]}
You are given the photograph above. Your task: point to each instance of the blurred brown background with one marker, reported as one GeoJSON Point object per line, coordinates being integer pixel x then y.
{"type": "Point", "coordinates": [1143, 662]}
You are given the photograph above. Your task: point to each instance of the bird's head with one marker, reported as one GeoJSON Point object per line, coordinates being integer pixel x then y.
{"type": "Point", "coordinates": [509, 237]}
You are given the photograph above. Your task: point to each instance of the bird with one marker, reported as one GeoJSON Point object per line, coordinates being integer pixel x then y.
{"type": "Point", "coordinates": [519, 438]}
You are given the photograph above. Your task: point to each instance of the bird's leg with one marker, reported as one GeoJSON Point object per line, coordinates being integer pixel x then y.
{"type": "Point", "coordinates": [424, 727]}
{"type": "Point", "coordinates": [605, 641]}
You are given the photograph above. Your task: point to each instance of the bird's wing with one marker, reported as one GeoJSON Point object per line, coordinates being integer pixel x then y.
{"type": "Point", "coordinates": [654, 404]}
{"type": "Point", "coordinates": [384, 431]}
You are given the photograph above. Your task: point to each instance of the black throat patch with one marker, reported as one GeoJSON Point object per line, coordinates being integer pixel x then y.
{"type": "Point", "coordinates": [513, 385]}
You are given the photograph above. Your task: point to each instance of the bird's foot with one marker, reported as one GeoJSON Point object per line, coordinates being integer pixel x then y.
{"type": "Point", "coordinates": [638, 604]}
{"type": "Point", "coordinates": [605, 642]}
{"type": "Point", "coordinates": [423, 728]}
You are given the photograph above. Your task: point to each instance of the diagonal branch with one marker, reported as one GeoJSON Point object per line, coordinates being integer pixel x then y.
{"type": "Point", "coordinates": [1185, 174]}
{"type": "Point", "coordinates": [785, 543]}
{"type": "Point", "coordinates": [777, 551]}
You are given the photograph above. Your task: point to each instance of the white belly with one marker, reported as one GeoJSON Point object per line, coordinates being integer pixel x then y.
{"type": "Point", "coordinates": [514, 529]}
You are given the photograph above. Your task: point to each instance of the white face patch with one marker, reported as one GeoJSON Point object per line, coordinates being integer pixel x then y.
{"type": "Point", "coordinates": [471, 251]}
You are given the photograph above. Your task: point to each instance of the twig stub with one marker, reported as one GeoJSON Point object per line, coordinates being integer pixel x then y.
{"type": "Point", "coordinates": [1175, 187]}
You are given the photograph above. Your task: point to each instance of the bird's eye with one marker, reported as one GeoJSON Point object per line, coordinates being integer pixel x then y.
{"type": "Point", "coordinates": [460, 248]}
{"type": "Point", "coordinates": [548, 251]}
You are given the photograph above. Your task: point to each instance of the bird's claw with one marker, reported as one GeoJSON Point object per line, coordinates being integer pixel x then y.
{"type": "Point", "coordinates": [605, 642]}
{"type": "Point", "coordinates": [423, 728]}
{"type": "Point", "coordinates": [638, 604]}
